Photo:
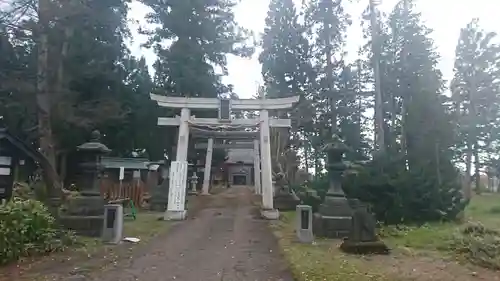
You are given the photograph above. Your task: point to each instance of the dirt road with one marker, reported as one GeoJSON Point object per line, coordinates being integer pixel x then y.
{"type": "Point", "coordinates": [225, 241]}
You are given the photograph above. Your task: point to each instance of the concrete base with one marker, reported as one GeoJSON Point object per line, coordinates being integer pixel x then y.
{"type": "Point", "coordinates": [305, 236]}
{"type": "Point", "coordinates": [272, 214]}
{"type": "Point", "coordinates": [175, 215]}
{"type": "Point", "coordinates": [203, 193]}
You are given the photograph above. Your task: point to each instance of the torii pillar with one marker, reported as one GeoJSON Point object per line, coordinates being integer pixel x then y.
{"type": "Point", "coordinates": [208, 165]}
{"type": "Point", "coordinates": [183, 140]}
{"type": "Point", "coordinates": [265, 154]}
{"type": "Point", "coordinates": [256, 167]}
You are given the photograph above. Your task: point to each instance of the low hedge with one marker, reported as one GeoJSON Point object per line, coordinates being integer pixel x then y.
{"type": "Point", "coordinates": [27, 229]}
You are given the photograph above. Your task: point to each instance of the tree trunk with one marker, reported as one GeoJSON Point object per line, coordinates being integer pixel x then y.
{"type": "Point", "coordinates": [468, 168]}
{"type": "Point", "coordinates": [330, 80]}
{"type": "Point", "coordinates": [407, 97]}
{"type": "Point", "coordinates": [379, 117]}
{"type": "Point", "coordinates": [44, 104]}
{"type": "Point", "coordinates": [477, 164]}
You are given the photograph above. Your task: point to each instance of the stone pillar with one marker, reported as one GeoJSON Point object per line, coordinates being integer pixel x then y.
{"type": "Point", "coordinates": [256, 167]}
{"type": "Point", "coordinates": [183, 141]}
{"type": "Point", "coordinates": [177, 191]}
{"type": "Point", "coordinates": [208, 167]}
{"type": "Point", "coordinates": [268, 211]}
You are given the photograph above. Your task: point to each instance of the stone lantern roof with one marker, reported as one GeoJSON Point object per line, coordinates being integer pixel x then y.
{"type": "Point", "coordinates": [94, 144]}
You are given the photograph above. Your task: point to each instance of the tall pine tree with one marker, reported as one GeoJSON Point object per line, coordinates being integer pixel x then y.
{"type": "Point", "coordinates": [476, 97]}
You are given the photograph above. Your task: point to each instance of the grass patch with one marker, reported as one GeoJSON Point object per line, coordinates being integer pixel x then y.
{"type": "Point", "coordinates": [146, 226]}
{"type": "Point", "coordinates": [322, 260]}
{"type": "Point", "coordinates": [478, 244]}
{"type": "Point", "coordinates": [438, 236]}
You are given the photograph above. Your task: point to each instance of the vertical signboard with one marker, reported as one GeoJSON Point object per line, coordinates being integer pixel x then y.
{"type": "Point", "coordinates": [177, 187]}
{"type": "Point", "coordinates": [122, 173]}
{"type": "Point", "coordinates": [225, 109]}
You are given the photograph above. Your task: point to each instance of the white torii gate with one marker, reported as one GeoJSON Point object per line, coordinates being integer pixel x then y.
{"type": "Point", "coordinates": [225, 106]}
{"type": "Point", "coordinates": [210, 146]}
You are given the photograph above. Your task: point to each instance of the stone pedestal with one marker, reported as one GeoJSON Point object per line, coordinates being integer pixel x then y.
{"type": "Point", "coordinates": [333, 219]}
{"type": "Point", "coordinates": [84, 215]}
{"type": "Point", "coordinates": [362, 238]}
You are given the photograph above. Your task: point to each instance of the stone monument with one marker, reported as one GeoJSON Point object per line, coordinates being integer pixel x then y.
{"type": "Point", "coordinates": [113, 224]}
{"type": "Point", "coordinates": [362, 238]}
{"type": "Point", "coordinates": [177, 191]}
{"type": "Point", "coordinates": [304, 224]}
{"type": "Point", "coordinates": [85, 213]}
{"type": "Point", "coordinates": [333, 219]}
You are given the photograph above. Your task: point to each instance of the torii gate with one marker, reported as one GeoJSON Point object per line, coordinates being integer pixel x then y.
{"type": "Point", "coordinates": [225, 106]}
{"type": "Point", "coordinates": [233, 135]}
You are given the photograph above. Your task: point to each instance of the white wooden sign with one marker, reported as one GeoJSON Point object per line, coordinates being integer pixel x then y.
{"type": "Point", "coordinates": [177, 187]}
{"type": "Point", "coordinates": [122, 173]}
{"type": "Point", "coordinates": [5, 160]}
{"type": "Point", "coordinates": [4, 171]}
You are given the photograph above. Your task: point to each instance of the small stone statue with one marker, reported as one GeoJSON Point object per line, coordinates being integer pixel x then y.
{"type": "Point", "coordinates": [363, 226]}
{"type": "Point", "coordinates": [284, 198]}
{"type": "Point", "coordinates": [362, 238]}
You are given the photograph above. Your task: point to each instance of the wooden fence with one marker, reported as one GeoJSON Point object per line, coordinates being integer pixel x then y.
{"type": "Point", "coordinates": [132, 190]}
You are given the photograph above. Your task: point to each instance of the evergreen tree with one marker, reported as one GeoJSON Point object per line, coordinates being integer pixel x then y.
{"type": "Point", "coordinates": [476, 96]}
{"type": "Point", "coordinates": [326, 23]}
{"type": "Point", "coordinates": [287, 71]}
{"type": "Point", "coordinates": [73, 56]}
{"type": "Point", "coordinates": [202, 33]}
{"type": "Point", "coordinates": [416, 182]}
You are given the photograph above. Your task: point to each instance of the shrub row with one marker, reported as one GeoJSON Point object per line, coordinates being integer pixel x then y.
{"type": "Point", "coordinates": [27, 229]}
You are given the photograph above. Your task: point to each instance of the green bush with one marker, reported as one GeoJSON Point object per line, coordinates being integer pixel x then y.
{"type": "Point", "coordinates": [478, 244]}
{"type": "Point", "coordinates": [402, 196]}
{"type": "Point", "coordinates": [27, 229]}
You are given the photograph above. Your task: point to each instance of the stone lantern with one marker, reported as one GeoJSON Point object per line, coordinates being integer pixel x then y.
{"type": "Point", "coordinates": [194, 182]}
{"type": "Point", "coordinates": [91, 155]}
{"type": "Point", "coordinates": [85, 214]}
{"type": "Point", "coordinates": [333, 219]}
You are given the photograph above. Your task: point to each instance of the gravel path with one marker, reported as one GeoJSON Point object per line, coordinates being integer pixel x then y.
{"type": "Point", "coordinates": [225, 241]}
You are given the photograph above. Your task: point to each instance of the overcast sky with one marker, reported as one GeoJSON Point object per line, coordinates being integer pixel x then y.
{"type": "Point", "coordinates": [445, 17]}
